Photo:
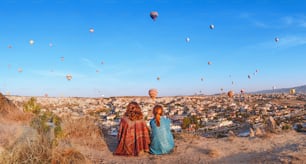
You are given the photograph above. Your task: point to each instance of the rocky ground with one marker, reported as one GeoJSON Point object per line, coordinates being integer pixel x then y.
{"type": "Point", "coordinates": [268, 143]}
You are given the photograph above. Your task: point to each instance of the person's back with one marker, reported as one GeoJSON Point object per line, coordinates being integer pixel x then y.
{"type": "Point", "coordinates": [162, 141]}
{"type": "Point", "coordinates": [133, 135]}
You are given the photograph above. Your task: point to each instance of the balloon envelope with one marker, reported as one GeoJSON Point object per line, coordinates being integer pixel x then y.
{"type": "Point", "coordinates": [91, 30]}
{"type": "Point", "coordinates": [153, 93]}
{"type": "Point", "coordinates": [211, 26]}
{"type": "Point", "coordinates": [187, 39]}
{"type": "Point", "coordinates": [158, 78]}
{"type": "Point", "coordinates": [68, 77]}
{"type": "Point", "coordinates": [31, 42]}
{"type": "Point", "coordinates": [230, 94]}
{"type": "Point", "coordinates": [154, 15]}
{"type": "Point", "coordinates": [276, 39]}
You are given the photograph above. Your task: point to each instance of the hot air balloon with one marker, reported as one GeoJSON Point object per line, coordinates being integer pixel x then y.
{"type": "Point", "coordinates": [62, 58]}
{"type": "Point", "coordinates": [232, 82]}
{"type": "Point", "coordinates": [209, 63]}
{"type": "Point", "coordinates": [249, 76]}
{"type": "Point", "coordinates": [292, 91]}
{"type": "Point", "coordinates": [273, 88]}
{"type": "Point", "coordinates": [187, 39]}
{"type": "Point", "coordinates": [102, 62]}
{"type": "Point", "coordinates": [158, 78]}
{"type": "Point", "coordinates": [154, 15]}
{"type": "Point", "coordinates": [211, 26]}
{"type": "Point", "coordinates": [31, 42]}
{"type": "Point", "coordinates": [242, 91]}
{"type": "Point", "coordinates": [202, 79]}
{"type": "Point", "coordinates": [221, 89]}
{"type": "Point", "coordinates": [153, 93]}
{"type": "Point", "coordinates": [91, 30]}
{"type": "Point", "coordinates": [46, 95]}
{"type": "Point", "coordinates": [19, 70]}
{"type": "Point", "coordinates": [68, 77]}
{"type": "Point", "coordinates": [230, 94]}
{"type": "Point", "coordinates": [276, 39]}
{"type": "Point", "coordinates": [9, 46]}
{"type": "Point", "coordinates": [97, 71]}
{"type": "Point", "coordinates": [50, 45]}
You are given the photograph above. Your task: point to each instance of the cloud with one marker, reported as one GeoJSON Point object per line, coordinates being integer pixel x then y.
{"type": "Point", "coordinates": [89, 63]}
{"type": "Point", "coordinates": [292, 41]}
{"type": "Point", "coordinates": [298, 21]}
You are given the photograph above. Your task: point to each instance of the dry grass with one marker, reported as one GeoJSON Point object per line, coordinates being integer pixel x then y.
{"type": "Point", "coordinates": [83, 132]}
{"type": "Point", "coordinates": [213, 153]}
{"type": "Point", "coordinates": [28, 150]}
{"type": "Point", "coordinates": [67, 156]}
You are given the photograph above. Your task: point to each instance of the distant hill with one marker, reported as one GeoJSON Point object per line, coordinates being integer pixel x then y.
{"type": "Point", "coordinates": [298, 89]}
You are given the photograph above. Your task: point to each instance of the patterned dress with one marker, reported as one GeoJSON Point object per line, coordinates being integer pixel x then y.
{"type": "Point", "coordinates": [162, 141]}
{"type": "Point", "coordinates": [133, 136]}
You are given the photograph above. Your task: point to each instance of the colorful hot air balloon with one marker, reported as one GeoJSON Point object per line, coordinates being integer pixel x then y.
{"type": "Point", "coordinates": [211, 26]}
{"type": "Point", "coordinates": [91, 30]}
{"type": "Point", "coordinates": [230, 94]}
{"type": "Point", "coordinates": [62, 58]}
{"type": "Point", "coordinates": [209, 63]}
{"type": "Point", "coordinates": [153, 93]}
{"type": "Point", "coordinates": [242, 91]}
{"type": "Point", "coordinates": [68, 77]}
{"type": "Point", "coordinates": [154, 15]}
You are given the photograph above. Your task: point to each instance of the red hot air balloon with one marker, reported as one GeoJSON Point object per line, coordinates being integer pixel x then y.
{"type": "Point", "coordinates": [154, 15]}
{"type": "Point", "coordinates": [153, 93]}
{"type": "Point", "coordinates": [230, 94]}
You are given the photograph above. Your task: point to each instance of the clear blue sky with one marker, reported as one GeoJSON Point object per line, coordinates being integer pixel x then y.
{"type": "Point", "coordinates": [135, 50]}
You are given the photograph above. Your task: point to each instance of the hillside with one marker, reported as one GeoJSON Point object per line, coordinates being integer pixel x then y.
{"type": "Point", "coordinates": [298, 89]}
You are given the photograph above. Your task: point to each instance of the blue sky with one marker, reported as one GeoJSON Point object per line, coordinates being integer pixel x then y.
{"type": "Point", "coordinates": [135, 50]}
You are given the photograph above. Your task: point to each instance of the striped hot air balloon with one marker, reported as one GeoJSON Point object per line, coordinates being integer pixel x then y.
{"type": "Point", "coordinates": [153, 93]}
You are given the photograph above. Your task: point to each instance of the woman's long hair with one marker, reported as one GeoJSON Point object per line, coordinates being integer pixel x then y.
{"type": "Point", "coordinates": [157, 111]}
{"type": "Point", "coordinates": [133, 111]}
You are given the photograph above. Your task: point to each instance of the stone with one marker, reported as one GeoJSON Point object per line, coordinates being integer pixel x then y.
{"type": "Point", "coordinates": [271, 124]}
{"type": "Point", "coordinates": [252, 134]}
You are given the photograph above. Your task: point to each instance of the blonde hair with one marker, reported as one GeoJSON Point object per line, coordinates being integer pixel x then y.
{"type": "Point", "coordinates": [157, 111]}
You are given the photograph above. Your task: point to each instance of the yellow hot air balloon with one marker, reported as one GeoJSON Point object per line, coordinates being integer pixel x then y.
{"type": "Point", "coordinates": [153, 93]}
{"type": "Point", "coordinates": [292, 91]}
{"type": "Point", "coordinates": [230, 94]}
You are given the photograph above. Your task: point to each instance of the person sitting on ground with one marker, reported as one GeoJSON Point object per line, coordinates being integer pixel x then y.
{"type": "Point", "coordinates": [133, 134]}
{"type": "Point", "coordinates": [162, 141]}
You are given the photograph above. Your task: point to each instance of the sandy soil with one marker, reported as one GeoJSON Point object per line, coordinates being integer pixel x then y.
{"type": "Point", "coordinates": [285, 147]}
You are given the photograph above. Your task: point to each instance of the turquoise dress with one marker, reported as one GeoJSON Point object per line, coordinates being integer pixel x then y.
{"type": "Point", "coordinates": [162, 141]}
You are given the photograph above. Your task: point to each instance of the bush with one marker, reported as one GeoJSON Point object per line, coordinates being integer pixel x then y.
{"type": "Point", "coordinates": [31, 106]}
